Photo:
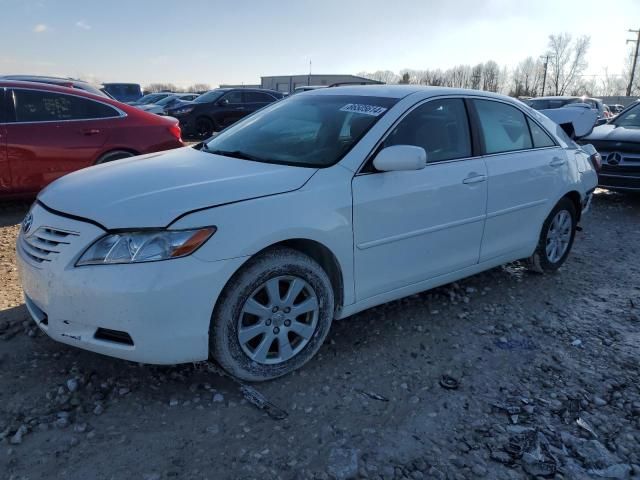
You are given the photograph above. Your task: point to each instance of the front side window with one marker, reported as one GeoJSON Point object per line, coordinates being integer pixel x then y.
{"type": "Point", "coordinates": [43, 106]}
{"type": "Point", "coordinates": [308, 131]}
{"type": "Point", "coordinates": [233, 97]}
{"type": "Point", "coordinates": [503, 127]}
{"type": "Point", "coordinates": [441, 127]}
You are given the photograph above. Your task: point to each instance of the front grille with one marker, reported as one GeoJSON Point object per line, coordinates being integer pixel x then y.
{"type": "Point", "coordinates": [45, 243]}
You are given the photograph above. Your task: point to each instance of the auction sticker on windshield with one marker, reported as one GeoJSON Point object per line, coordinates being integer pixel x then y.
{"type": "Point", "coordinates": [372, 110]}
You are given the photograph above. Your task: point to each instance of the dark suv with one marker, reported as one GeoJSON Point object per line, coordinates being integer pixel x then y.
{"type": "Point", "coordinates": [217, 109]}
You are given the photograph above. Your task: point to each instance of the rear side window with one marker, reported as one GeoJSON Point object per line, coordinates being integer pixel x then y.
{"type": "Point", "coordinates": [441, 127]}
{"type": "Point", "coordinates": [503, 127]}
{"type": "Point", "coordinates": [42, 106]}
{"type": "Point", "coordinates": [540, 138]}
{"type": "Point", "coordinates": [258, 97]}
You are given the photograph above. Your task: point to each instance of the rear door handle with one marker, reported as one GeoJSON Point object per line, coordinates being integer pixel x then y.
{"type": "Point", "coordinates": [474, 178]}
{"type": "Point", "coordinates": [557, 162]}
{"type": "Point", "coordinates": [91, 131]}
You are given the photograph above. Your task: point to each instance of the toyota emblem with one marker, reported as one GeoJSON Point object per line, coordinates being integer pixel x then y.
{"type": "Point", "coordinates": [614, 158]}
{"type": "Point", "coordinates": [27, 222]}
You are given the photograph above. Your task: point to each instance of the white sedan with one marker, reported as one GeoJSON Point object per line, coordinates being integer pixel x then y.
{"type": "Point", "coordinates": [246, 248]}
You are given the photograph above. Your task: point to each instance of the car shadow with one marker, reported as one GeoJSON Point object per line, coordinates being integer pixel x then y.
{"type": "Point", "coordinates": [12, 213]}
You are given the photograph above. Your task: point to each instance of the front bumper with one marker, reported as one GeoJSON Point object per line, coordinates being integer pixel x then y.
{"type": "Point", "coordinates": [624, 176]}
{"type": "Point", "coordinates": [163, 307]}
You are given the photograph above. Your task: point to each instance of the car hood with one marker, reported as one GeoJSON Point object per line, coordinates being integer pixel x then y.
{"type": "Point", "coordinates": [150, 191]}
{"type": "Point", "coordinates": [612, 133]}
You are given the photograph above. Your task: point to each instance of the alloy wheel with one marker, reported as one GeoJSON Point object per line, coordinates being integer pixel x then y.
{"type": "Point", "coordinates": [278, 319]}
{"type": "Point", "coordinates": [559, 236]}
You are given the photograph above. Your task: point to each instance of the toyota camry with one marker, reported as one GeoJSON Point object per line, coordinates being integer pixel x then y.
{"type": "Point", "coordinates": [245, 248]}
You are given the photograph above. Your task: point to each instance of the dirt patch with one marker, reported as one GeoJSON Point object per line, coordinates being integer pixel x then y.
{"type": "Point", "coordinates": [504, 375]}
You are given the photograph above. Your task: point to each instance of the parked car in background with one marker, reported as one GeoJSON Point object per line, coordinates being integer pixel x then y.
{"type": "Point", "coordinates": [48, 131]}
{"type": "Point", "coordinates": [219, 108]}
{"type": "Point", "coordinates": [150, 98]}
{"type": "Point", "coordinates": [124, 92]}
{"type": "Point", "coordinates": [61, 82]}
{"type": "Point", "coordinates": [618, 143]}
{"type": "Point", "coordinates": [551, 102]}
{"type": "Point", "coordinates": [161, 106]}
{"type": "Point", "coordinates": [246, 248]}
{"type": "Point", "coordinates": [616, 109]}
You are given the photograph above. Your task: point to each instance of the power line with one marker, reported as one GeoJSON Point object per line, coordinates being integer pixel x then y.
{"type": "Point", "coordinates": [635, 60]}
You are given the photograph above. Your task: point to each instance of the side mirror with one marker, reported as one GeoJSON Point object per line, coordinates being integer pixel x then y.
{"type": "Point", "coordinates": [224, 102]}
{"type": "Point", "coordinates": [400, 157]}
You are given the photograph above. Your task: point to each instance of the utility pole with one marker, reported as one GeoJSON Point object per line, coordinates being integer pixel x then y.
{"type": "Point", "coordinates": [544, 77]}
{"type": "Point", "coordinates": [635, 60]}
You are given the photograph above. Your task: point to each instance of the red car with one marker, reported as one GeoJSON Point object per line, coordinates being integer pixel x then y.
{"type": "Point", "coordinates": [47, 131]}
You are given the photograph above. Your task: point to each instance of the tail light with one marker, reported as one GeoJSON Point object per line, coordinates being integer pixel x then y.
{"type": "Point", "coordinates": [176, 132]}
{"type": "Point", "coordinates": [596, 160]}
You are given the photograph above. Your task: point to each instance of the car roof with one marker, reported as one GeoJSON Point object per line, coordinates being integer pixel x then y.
{"type": "Point", "coordinates": [401, 91]}
{"type": "Point", "coordinates": [120, 83]}
{"type": "Point", "coordinates": [57, 88]}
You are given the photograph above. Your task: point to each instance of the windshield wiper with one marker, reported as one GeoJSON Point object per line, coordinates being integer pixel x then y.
{"type": "Point", "coordinates": [233, 154]}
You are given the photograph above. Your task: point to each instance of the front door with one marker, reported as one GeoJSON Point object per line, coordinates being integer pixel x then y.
{"type": "Point", "coordinates": [411, 226]}
{"type": "Point", "coordinates": [526, 173]}
{"type": "Point", "coordinates": [52, 136]}
{"type": "Point", "coordinates": [231, 108]}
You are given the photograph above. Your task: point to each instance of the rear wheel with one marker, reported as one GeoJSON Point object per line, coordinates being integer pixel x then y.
{"type": "Point", "coordinates": [204, 128]}
{"type": "Point", "coordinates": [556, 238]}
{"type": "Point", "coordinates": [273, 316]}
{"type": "Point", "coordinates": [115, 155]}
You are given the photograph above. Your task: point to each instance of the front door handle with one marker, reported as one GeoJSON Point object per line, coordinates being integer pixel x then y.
{"type": "Point", "coordinates": [474, 178]}
{"type": "Point", "coordinates": [91, 131]}
{"type": "Point", "coordinates": [557, 162]}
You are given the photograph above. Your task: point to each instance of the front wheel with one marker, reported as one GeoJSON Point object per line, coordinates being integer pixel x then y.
{"type": "Point", "coordinates": [556, 238]}
{"type": "Point", "coordinates": [272, 317]}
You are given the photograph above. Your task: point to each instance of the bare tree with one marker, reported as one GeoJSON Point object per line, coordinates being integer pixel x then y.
{"type": "Point", "coordinates": [199, 87]}
{"type": "Point", "coordinates": [476, 76]}
{"type": "Point", "coordinates": [386, 76]}
{"type": "Point", "coordinates": [527, 78]}
{"type": "Point", "coordinates": [159, 87]}
{"type": "Point", "coordinates": [490, 76]}
{"type": "Point", "coordinates": [567, 60]}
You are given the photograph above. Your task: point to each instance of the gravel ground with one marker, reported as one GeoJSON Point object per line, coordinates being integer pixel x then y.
{"type": "Point", "coordinates": [503, 375]}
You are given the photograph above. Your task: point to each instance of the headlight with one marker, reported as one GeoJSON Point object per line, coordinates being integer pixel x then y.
{"type": "Point", "coordinates": [182, 111]}
{"type": "Point", "coordinates": [144, 246]}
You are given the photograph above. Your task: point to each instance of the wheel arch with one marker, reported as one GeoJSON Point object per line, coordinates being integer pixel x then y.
{"type": "Point", "coordinates": [576, 199]}
{"type": "Point", "coordinates": [325, 258]}
{"type": "Point", "coordinates": [318, 252]}
{"type": "Point", "coordinates": [114, 150]}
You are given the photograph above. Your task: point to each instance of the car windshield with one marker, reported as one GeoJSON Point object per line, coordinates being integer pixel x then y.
{"type": "Point", "coordinates": [304, 130]}
{"type": "Point", "coordinates": [150, 97]}
{"type": "Point", "coordinates": [629, 119]}
{"type": "Point", "coordinates": [167, 100]}
{"type": "Point", "coordinates": [210, 96]}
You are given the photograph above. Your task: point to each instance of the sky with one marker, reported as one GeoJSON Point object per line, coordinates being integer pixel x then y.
{"type": "Point", "coordinates": [237, 41]}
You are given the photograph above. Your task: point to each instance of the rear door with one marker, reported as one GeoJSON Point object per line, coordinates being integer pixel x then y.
{"type": "Point", "coordinates": [257, 100]}
{"type": "Point", "coordinates": [53, 134]}
{"type": "Point", "coordinates": [527, 172]}
{"type": "Point", "coordinates": [5, 173]}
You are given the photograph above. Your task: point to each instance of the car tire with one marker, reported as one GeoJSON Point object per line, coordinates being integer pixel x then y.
{"type": "Point", "coordinates": [556, 238]}
{"type": "Point", "coordinates": [241, 351]}
{"type": "Point", "coordinates": [115, 155]}
{"type": "Point", "coordinates": [204, 128]}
